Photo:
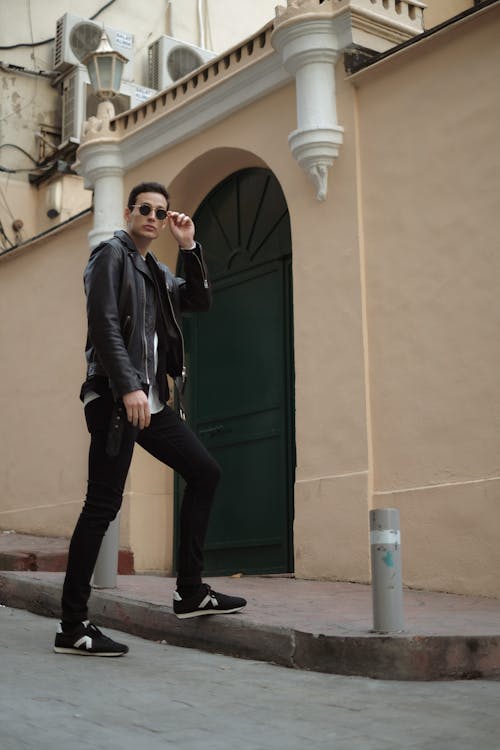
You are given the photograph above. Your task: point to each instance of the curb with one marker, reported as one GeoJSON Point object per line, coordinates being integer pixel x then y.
{"type": "Point", "coordinates": [388, 657]}
{"type": "Point", "coordinates": [55, 562]}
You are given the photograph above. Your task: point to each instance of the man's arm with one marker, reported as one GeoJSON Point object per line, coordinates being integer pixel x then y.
{"type": "Point", "coordinates": [194, 290]}
{"type": "Point", "coordinates": [102, 285]}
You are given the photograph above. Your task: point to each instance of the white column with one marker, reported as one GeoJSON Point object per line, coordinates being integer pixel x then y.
{"type": "Point", "coordinates": [101, 166]}
{"type": "Point", "coordinates": [309, 49]}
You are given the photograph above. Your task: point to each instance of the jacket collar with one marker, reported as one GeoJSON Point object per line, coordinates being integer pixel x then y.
{"type": "Point", "coordinates": [127, 240]}
{"type": "Point", "coordinates": [135, 255]}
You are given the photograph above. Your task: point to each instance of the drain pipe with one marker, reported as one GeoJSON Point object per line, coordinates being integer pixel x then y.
{"type": "Point", "coordinates": [201, 23]}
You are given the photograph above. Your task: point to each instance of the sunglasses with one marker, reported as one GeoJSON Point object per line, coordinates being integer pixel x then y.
{"type": "Point", "coordinates": [145, 209]}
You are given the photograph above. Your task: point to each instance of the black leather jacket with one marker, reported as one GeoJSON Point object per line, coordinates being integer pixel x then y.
{"type": "Point", "coordinates": [121, 315]}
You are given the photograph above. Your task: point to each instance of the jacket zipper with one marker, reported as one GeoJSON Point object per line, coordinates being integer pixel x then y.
{"type": "Point", "coordinates": [145, 341]}
{"type": "Point", "coordinates": [205, 285]}
{"type": "Point", "coordinates": [183, 371]}
{"type": "Point", "coordinates": [203, 272]}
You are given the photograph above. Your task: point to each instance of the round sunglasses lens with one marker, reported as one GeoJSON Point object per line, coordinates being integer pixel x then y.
{"type": "Point", "coordinates": [145, 210]}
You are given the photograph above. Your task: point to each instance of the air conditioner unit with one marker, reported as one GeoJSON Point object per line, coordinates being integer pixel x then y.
{"type": "Point", "coordinates": [170, 59]}
{"type": "Point", "coordinates": [79, 102]}
{"type": "Point", "coordinates": [76, 37]}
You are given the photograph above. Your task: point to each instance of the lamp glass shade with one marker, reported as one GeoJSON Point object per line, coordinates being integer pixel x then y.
{"type": "Point", "coordinates": [105, 68]}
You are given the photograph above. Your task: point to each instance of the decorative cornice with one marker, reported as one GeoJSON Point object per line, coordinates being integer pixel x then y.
{"type": "Point", "coordinates": [294, 8]}
{"type": "Point", "coordinates": [403, 13]}
{"type": "Point", "coordinates": [375, 24]}
{"type": "Point", "coordinates": [237, 63]}
{"type": "Point", "coordinates": [146, 137]}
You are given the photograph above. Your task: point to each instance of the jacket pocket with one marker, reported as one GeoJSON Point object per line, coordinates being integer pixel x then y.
{"type": "Point", "coordinates": [127, 328]}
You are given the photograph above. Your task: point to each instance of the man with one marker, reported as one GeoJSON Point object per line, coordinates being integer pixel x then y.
{"type": "Point", "coordinates": [134, 340]}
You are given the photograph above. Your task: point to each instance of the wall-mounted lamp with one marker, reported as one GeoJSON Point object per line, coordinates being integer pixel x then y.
{"type": "Point", "coordinates": [105, 67]}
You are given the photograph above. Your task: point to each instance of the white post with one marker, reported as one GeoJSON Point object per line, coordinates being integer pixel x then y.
{"type": "Point", "coordinates": [387, 588]}
{"type": "Point", "coordinates": [101, 165]}
{"type": "Point", "coordinates": [106, 567]}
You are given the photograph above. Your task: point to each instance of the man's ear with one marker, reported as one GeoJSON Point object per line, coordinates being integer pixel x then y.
{"type": "Point", "coordinates": [127, 213]}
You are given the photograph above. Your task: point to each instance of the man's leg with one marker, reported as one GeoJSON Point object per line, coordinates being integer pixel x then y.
{"type": "Point", "coordinates": [106, 480]}
{"type": "Point", "coordinates": [171, 441]}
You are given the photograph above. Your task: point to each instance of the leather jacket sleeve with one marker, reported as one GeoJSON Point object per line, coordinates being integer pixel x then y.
{"type": "Point", "coordinates": [194, 289]}
{"type": "Point", "coordinates": [102, 280]}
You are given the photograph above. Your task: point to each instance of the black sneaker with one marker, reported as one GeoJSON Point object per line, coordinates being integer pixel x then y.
{"type": "Point", "coordinates": [87, 640]}
{"type": "Point", "coordinates": [206, 602]}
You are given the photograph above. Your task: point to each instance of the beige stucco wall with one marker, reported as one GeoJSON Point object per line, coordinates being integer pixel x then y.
{"type": "Point", "coordinates": [437, 11]}
{"type": "Point", "coordinates": [43, 440]}
{"type": "Point", "coordinates": [430, 169]}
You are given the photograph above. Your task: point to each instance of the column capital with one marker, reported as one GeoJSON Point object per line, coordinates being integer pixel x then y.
{"type": "Point", "coordinates": [100, 162]}
{"type": "Point", "coordinates": [99, 158]}
{"type": "Point", "coordinates": [308, 39]}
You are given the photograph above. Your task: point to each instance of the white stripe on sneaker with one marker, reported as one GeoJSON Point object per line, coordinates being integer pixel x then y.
{"type": "Point", "coordinates": [207, 600]}
{"type": "Point", "coordinates": [87, 640]}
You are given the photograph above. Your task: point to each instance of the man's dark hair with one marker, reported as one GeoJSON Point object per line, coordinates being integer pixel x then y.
{"type": "Point", "coordinates": [147, 187]}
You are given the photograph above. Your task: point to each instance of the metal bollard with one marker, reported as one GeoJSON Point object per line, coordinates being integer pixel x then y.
{"type": "Point", "coordinates": [106, 567]}
{"type": "Point", "coordinates": [387, 588]}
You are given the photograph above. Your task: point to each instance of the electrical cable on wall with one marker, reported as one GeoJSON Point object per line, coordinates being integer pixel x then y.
{"type": "Point", "coordinates": [26, 153]}
{"type": "Point", "coordinates": [6, 205]}
{"type": "Point", "coordinates": [46, 232]}
{"type": "Point", "coordinates": [47, 41]}
{"type": "Point", "coordinates": [4, 238]}
{"type": "Point", "coordinates": [37, 166]}
{"type": "Point", "coordinates": [10, 68]}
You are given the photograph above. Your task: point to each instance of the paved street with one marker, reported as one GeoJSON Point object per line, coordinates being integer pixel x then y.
{"type": "Point", "coordinates": [160, 696]}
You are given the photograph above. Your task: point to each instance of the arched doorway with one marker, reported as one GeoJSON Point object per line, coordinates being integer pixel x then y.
{"type": "Point", "coordinates": [240, 389]}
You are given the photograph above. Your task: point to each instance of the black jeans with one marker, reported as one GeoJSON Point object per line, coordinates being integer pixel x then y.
{"type": "Point", "coordinates": [169, 440]}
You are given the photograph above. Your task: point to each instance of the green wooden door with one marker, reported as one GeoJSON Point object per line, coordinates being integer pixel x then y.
{"type": "Point", "coordinates": [239, 395]}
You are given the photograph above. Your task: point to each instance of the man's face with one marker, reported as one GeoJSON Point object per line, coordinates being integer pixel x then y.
{"type": "Point", "coordinates": [147, 227]}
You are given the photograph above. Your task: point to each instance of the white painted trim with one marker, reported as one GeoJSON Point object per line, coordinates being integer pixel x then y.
{"type": "Point", "coordinates": [425, 487]}
{"type": "Point", "coordinates": [210, 107]}
{"type": "Point", "coordinates": [332, 476]}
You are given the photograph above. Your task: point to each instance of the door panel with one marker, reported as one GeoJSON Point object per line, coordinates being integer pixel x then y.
{"type": "Point", "coordinates": [241, 380]}
{"type": "Point", "coordinates": [240, 416]}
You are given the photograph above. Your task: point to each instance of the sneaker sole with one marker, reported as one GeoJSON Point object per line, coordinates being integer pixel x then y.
{"type": "Point", "coordinates": [78, 652]}
{"type": "Point", "coordinates": [199, 612]}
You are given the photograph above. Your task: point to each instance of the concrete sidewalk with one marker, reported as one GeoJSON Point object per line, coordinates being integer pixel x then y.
{"type": "Point", "coordinates": [316, 625]}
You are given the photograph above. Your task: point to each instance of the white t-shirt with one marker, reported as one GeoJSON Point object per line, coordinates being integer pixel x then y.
{"type": "Point", "coordinates": [155, 405]}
